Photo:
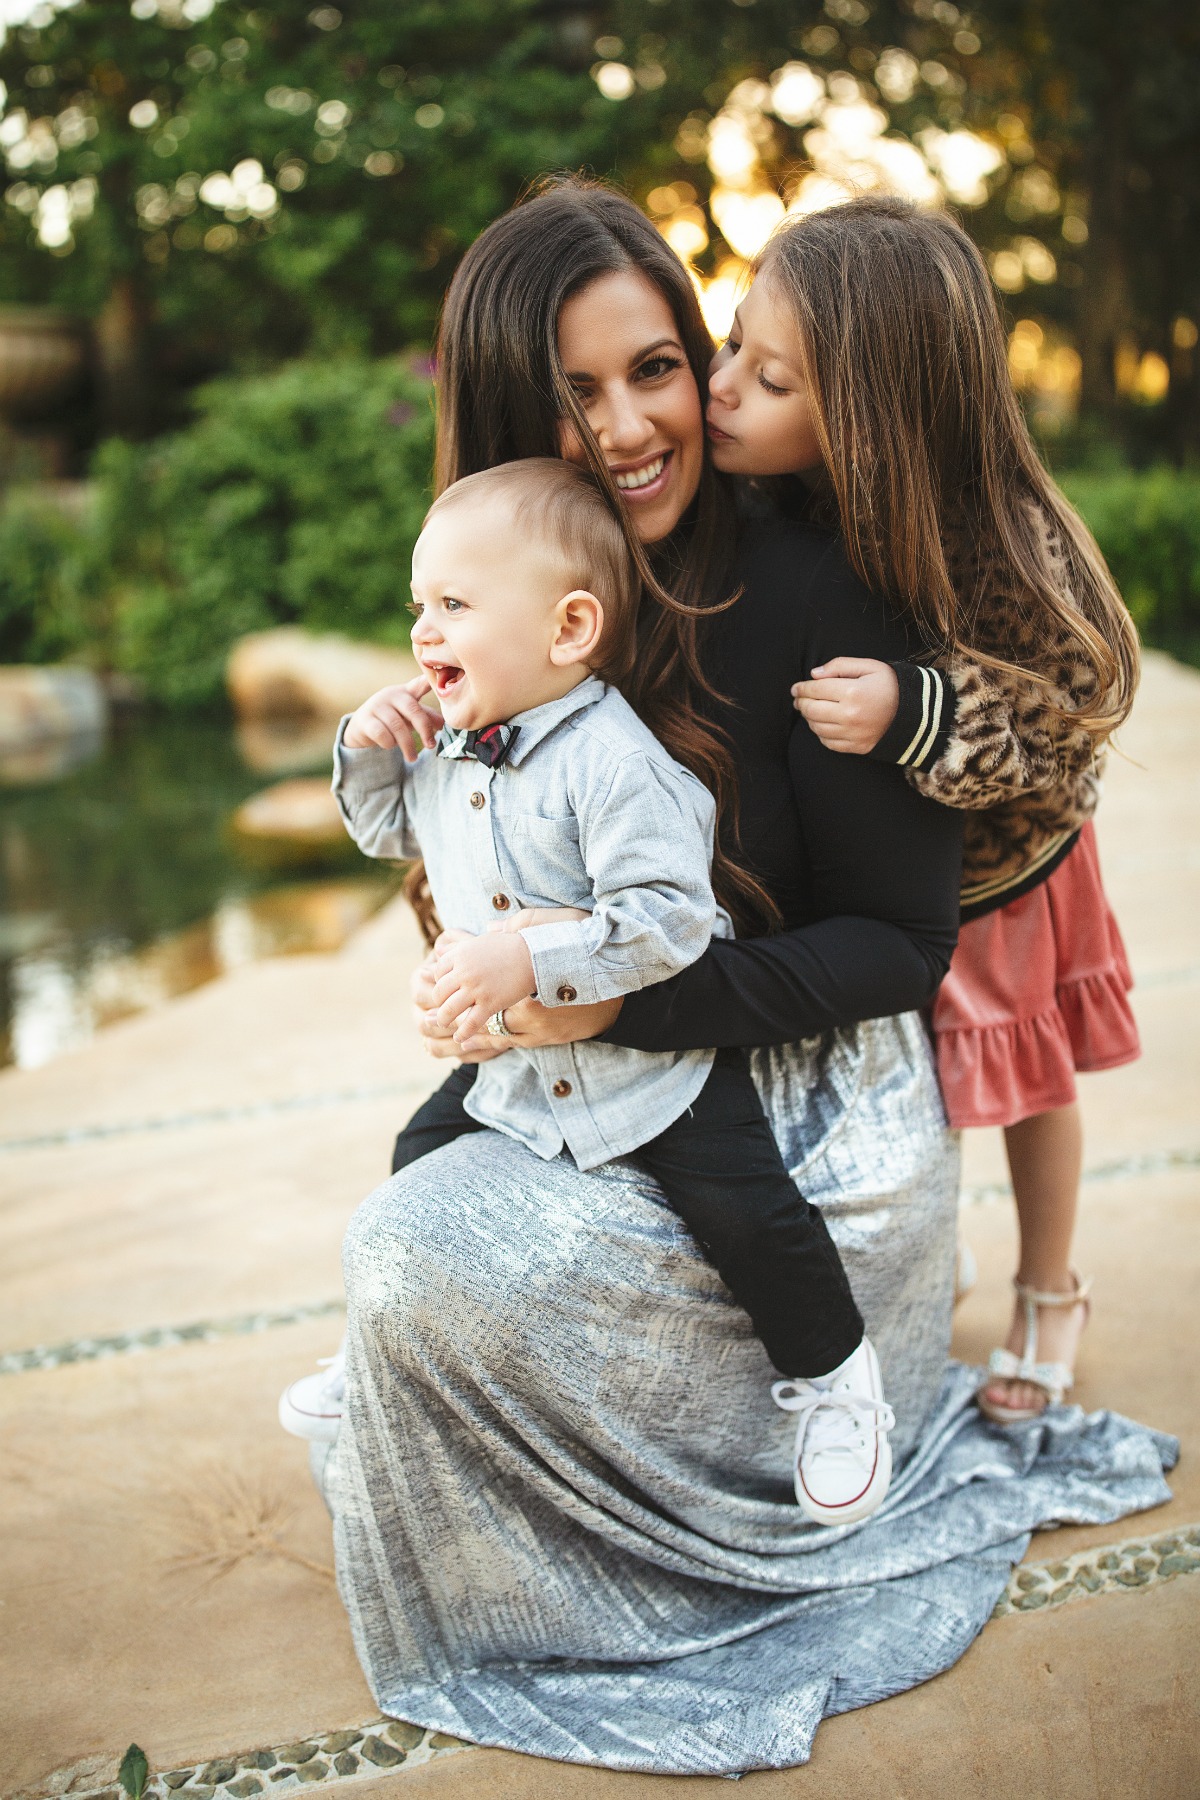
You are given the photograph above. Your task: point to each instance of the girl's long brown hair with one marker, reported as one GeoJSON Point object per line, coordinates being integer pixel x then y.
{"type": "Point", "coordinates": [503, 396]}
{"type": "Point", "coordinates": [940, 492]}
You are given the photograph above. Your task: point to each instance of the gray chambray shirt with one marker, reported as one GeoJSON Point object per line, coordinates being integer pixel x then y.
{"type": "Point", "coordinates": [588, 810]}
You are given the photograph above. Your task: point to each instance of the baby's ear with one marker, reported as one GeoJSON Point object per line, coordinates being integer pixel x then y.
{"type": "Point", "coordinates": [578, 628]}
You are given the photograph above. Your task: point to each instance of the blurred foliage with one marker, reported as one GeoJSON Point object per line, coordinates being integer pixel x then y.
{"type": "Point", "coordinates": [387, 136]}
{"type": "Point", "coordinates": [48, 579]}
{"type": "Point", "coordinates": [295, 497]}
{"type": "Point", "coordinates": [1148, 526]}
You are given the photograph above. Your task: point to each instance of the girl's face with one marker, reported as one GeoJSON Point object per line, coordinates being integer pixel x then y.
{"type": "Point", "coordinates": [760, 418]}
{"type": "Point", "coordinates": [620, 347]}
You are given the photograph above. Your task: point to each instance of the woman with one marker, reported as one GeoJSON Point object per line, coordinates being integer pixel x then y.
{"type": "Point", "coordinates": [562, 1513]}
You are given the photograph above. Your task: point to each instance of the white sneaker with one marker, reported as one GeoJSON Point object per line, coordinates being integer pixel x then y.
{"type": "Point", "coordinates": [312, 1407]}
{"type": "Point", "coordinates": [843, 1461]}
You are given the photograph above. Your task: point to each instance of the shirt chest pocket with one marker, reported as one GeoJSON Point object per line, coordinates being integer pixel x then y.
{"type": "Point", "coordinates": [547, 865]}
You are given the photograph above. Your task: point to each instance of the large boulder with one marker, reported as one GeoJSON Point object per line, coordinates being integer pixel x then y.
{"type": "Point", "coordinates": [289, 673]}
{"type": "Point", "coordinates": [300, 816]}
{"type": "Point", "coordinates": [38, 705]}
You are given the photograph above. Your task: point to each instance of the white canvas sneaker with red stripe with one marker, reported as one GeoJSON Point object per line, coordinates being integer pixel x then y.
{"type": "Point", "coordinates": [842, 1459]}
{"type": "Point", "coordinates": [312, 1407]}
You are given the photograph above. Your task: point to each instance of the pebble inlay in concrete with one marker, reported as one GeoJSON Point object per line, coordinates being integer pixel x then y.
{"type": "Point", "coordinates": [326, 1756]}
{"type": "Point", "coordinates": [156, 1337]}
{"type": "Point", "coordinates": [216, 1115]}
{"type": "Point", "coordinates": [1112, 1569]}
{"type": "Point", "coordinates": [384, 1744]}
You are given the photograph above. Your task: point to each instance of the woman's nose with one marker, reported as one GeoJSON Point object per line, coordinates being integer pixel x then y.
{"type": "Point", "coordinates": [622, 424]}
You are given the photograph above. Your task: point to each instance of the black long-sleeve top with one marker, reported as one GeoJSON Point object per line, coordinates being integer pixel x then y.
{"type": "Point", "coordinates": [864, 870]}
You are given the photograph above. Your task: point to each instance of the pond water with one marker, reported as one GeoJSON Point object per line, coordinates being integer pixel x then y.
{"type": "Point", "coordinates": [121, 882]}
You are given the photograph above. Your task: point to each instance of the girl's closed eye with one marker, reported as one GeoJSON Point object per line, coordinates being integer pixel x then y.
{"type": "Point", "coordinates": [769, 385]}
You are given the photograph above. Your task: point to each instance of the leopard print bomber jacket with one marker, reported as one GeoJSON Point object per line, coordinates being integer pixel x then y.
{"type": "Point", "coordinates": [1004, 749]}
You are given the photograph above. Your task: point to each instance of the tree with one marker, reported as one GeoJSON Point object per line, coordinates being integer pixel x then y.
{"type": "Point", "coordinates": [225, 185]}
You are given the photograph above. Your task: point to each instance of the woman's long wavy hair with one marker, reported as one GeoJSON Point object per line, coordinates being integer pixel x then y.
{"type": "Point", "coordinates": [503, 396]}
{"type": "Point", "coordinates": [927, 452]}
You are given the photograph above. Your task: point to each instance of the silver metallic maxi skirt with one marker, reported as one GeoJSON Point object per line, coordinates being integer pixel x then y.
{"type": "Point", "coordinates": [562, 1500]}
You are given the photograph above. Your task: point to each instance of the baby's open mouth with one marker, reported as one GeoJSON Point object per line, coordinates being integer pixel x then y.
{"type": "Point", "coordinates": [444, 676]}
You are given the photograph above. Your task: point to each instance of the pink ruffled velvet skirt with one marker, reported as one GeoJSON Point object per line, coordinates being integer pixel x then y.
{"type": "Point", "coordinates": [1037, 990]}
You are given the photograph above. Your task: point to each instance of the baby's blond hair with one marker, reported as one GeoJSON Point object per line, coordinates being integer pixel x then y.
{"type": "Point", "coordinates": [561, 505]}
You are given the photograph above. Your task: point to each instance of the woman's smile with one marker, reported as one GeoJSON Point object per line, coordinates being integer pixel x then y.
{"type": "Point", "coordinates": [645, 480]}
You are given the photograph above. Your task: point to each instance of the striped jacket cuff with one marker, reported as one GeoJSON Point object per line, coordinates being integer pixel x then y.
{"type": "Point", "coordinates": [924, 720]}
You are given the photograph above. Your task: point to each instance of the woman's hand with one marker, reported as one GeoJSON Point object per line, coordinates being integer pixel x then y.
{"type": "Point", "coordinates": [849, 702]}
{"type": "Point", "coordinates": [532, 1026]}
{"type": "Point", "coordinates": [394, 719]}
{"type": "Point", "coordinates": [440, 1041]}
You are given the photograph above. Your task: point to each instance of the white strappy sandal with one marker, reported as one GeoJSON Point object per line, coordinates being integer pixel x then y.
{"type": "Point", "coordinates": [1055, 1379]}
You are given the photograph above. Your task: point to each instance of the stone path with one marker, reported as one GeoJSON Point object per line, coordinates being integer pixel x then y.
{"type": "Point", "coordinates": [171, 1204]}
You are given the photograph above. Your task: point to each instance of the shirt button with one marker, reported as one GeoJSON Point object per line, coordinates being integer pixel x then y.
{"type": "Point", "coordinates": [477, 800]}
{"type": "Point", "coordinates": [500, 902]}
{"type": "Point", "coordinates": [561, 1089]}
{"type": "Point", "coordinates": [566, 993]}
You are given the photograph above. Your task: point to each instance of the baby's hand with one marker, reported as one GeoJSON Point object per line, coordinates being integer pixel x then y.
{"type": "Point", "coordinates": [394, 719]}
{"type": "Point", "coordinates": [481, 976]}
{"type": "Point", "coordinates": [849, 702]}
{"type": "Point", "coordinates": [540, 915]}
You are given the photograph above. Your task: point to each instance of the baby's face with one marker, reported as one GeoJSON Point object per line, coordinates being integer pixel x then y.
{"type": "Point", "coordinates": [486, 599]}
{"type": "Point", "coordinates": [760, 420]}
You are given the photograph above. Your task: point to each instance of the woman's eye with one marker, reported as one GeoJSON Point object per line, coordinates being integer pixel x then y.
{"type": "Point", "coordinates": [657, 366]}
{"type": "Point", "coordinates": [770, 386]}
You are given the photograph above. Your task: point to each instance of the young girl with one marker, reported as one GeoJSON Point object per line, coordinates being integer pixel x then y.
{"type": "Point", "coordinates": [869, 359]}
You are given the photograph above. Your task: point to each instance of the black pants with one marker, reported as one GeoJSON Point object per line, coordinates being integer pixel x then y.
{"type": "Point", "coordinates": [720, 1168]}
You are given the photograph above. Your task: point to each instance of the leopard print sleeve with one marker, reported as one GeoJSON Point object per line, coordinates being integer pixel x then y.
{"type": "Point", "coordinates": [1000, 737]}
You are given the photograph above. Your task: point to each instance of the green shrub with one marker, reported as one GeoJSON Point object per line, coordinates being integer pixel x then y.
{"type": "Point", "coordinates": [51, 605]}
{"type": "Point", "coordinates": [295, 498]}
{"type": "Point", "coordinates": [1148, 526]}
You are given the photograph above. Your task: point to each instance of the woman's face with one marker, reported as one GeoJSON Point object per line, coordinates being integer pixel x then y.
{"type": "Point", "coordinates": [620, 347]}
{"type": "Point", "coordinates": [760, 414]}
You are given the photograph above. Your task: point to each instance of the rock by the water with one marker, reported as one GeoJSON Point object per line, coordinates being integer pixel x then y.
{"type": "Point", "coordinates": [302, 812]}
{"type": "Point", "coordinates": [290, 673]}
{"type": "Point", "coordinates": [39, 705]}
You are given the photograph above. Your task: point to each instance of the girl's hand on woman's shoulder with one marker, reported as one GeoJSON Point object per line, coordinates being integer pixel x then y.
{"type": "Point", "coordinates": [849, 703]}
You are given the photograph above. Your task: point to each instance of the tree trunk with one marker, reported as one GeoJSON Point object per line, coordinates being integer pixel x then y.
{"type": "Point", "coordinates": [124, 376]}
{"type": "Point", "coordinates": [1105, 311]}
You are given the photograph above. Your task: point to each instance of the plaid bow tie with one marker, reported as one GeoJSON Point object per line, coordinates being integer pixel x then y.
{"type": "Point", "coordinates": [489, 746]}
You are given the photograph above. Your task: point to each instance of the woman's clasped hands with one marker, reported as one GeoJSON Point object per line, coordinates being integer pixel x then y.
{"type": "Point", "coordinates": [466, 979]}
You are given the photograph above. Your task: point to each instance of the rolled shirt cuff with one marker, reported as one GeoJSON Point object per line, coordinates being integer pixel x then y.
{"type": "Point", "coordinates": [561, 963]}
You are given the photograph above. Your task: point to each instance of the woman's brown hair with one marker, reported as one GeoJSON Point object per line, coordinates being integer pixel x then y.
{"type": "Point", "coordinates": [503, 396]}
{"type": "Point", "coordinates": [940, 492]}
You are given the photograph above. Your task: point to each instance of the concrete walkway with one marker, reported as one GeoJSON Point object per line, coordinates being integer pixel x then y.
{"type": "Point", "coordinates": [172, 1200]}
